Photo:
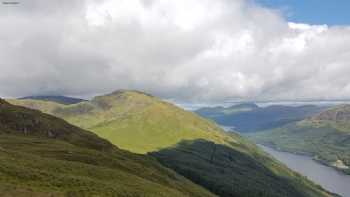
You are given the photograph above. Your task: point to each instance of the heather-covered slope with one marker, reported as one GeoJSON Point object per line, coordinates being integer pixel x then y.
{"type": "Point", "coordinates": [42, 155]}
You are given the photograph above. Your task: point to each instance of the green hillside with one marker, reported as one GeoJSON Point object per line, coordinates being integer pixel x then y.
{"type": "Point", "coordinates": [133, 120]}
{"type": "Point", "coordinates": [42, 155]}
{"type": "Point", "coordinates": [184, 142]}
{"type": "Point", "coordinates": [325, 136]}
{"type": "Point", "coordinates": [238, 170]}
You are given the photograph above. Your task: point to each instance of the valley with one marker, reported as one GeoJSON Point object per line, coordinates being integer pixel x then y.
{"type": "Point", "coordinates": [224, 163]}
{"type": "Point", "coordinates": [315, 134]}
{"type": "Point", "coordinates": [319, 131]}
{"type": "Point", "coordinates": [174, 98]}
{"type": "Point", "coordinates": [325, 136]}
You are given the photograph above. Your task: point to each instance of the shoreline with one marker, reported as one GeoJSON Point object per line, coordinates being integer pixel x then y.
{"type": "Point", "coordinates": [312, 156]}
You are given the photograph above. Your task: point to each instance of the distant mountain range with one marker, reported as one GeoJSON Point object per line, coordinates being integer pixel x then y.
{"type": "Point", "coordinates": [249, 117]}
{"type": "Point", "coordinates": [58, 99]}
{"type": "Point", "coordinates": [326, 136]}
{"type": "Point", "coordinates": [218, 111]}
{"type": "Point", "coordinates": [223, 163]}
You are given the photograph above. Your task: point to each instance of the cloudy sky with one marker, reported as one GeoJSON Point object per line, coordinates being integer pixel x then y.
{"type": "Point", "coordinates": [188, 50]}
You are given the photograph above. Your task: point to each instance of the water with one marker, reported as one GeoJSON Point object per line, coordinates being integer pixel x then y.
{"type": "Point", "coordinates": [329, 178]}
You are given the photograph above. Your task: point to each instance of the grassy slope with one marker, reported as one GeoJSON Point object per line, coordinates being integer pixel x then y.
{"type": "Point", "coordinates": [134, 121]}
{"type": "Point", "coordinates": [142, 123]}
{"type": "Point", "coordinates": [230, 172]}
{"type": "Point", "coordinates": [325, 136]}
{"type": "Point", "coordinates": [44, 156]}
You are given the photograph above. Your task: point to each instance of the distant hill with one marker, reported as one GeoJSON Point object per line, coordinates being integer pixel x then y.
{"type": "Point", "coordinates": [251, 118]}
{"type": "Point", "coordinates": [326, 136]}
{"type": "Point", "coordinates": [58, 99]}
{"type": "Point", "coordinates": [42, 155]}
{"type": "Point", "coordinates": [339, 113]}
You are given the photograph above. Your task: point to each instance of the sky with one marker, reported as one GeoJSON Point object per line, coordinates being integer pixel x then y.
{"type": "Point", "coordinates": [330, 12]}
{"type": "Point", "coordinates": [184, 50]}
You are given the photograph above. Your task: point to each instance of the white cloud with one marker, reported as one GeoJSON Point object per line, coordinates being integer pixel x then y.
{"type": "Point", "coordinates": [183, 49]}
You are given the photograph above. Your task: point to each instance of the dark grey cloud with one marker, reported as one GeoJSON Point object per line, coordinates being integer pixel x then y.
{"type": "Point", "coordinates": [185, 49]}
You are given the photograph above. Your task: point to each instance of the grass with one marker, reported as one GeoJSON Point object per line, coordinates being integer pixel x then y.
{"type": "Point", "coordinates": [55, 167]}
{"type": "Point", "coordinates": [135, 121]}
{"type": "Point", "coordinates": [145, 124]}
{"type": "Point", "coordinates": [230, 172]}
{"type": "Point", "coordinates": [42, 155]}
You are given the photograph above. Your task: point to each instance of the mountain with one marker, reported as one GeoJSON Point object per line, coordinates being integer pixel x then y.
{"type": "Point", "coordinates": [326, 136]}
{"type": "Point", "coordinates": [151, 123]}
{"type": "Point", "coordinates": [42, 155]}
{"type": "Point", "coordinates": [224, 163]}
{"type": "Point", "coordinates": [339, 114]}
{"type": "Point", "coordinates": [58, 99]}
{"type": "Point", "coordinates": [213, 112]}
{"type": "Point", "coordinates": [251, 118]}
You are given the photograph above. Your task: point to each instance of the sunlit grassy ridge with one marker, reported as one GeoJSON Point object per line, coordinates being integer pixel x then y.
{"type": "Point", "coordinates": [42, 155]}
{"type": "Point", "coordinates": [145, 124]}
{"type": "Point", "coordinates": [134, 121]}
